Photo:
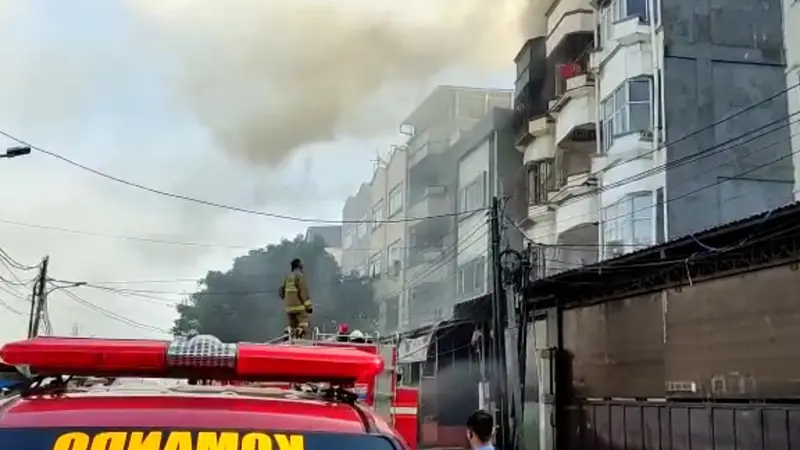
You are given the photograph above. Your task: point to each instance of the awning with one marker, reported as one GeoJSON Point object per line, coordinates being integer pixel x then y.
{"type": "Point", "coordinates": [412, 350]}
{"type": "Point", "coordinates": [422, 344]}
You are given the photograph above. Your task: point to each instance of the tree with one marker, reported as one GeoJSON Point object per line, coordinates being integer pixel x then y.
{"type": "Point", "coordinates": [242, 303]}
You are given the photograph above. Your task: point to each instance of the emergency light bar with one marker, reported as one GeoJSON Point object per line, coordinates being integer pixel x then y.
{"type": "Point", "coordinates": [201, 357]}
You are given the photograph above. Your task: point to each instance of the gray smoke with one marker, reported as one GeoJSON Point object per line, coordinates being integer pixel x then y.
{"type": "Point", "coordinates": [268, 77]}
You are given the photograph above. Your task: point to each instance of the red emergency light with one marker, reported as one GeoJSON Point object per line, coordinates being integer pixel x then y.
{"type": "Point", "coordinates": [201, 357]}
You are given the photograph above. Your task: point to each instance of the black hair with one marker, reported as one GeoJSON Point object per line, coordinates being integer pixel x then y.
{"type": "Point", "coordinates": [296, 264]}
{"type": "Point", "coordinates": [481, 424]}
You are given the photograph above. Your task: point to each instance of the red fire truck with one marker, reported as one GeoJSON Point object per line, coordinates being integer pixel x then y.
{"type": "Point", "coordinates": [319, 409]}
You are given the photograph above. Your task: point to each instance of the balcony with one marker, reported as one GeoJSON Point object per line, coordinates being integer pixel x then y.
{"type": "Point", "coordinates": [630, 31]}
{"type": "Point", "coordinates": [565, 18]}
{"type": "Point", "coordinates": [575, 111]}
{"type": "Point", "coordinates": [539, 213]}
{"type": "Point", "coordinates": [427, 151]}
{"type": "Point", "coordinates": [534, 128]}
{"type": "Point", "coordinates": [578, 202]}
{"type": "Point", "coordinates": [432, 201]}
{"type": "Point", "coordinates": [429, 256]}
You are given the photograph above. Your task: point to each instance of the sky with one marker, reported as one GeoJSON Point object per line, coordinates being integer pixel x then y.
{"type": "Point", "coordinates": [272, 105]}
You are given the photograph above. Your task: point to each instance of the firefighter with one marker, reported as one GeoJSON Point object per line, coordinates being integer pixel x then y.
{"type": "Point", "coordinates": [294, 293]}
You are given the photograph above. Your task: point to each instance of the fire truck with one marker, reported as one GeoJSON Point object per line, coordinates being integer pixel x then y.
{"type": "Point", "coordinates": [298, 395]}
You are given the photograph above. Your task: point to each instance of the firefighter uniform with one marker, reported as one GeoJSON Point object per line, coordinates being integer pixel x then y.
{"type": "Point", "coordinates": [297, 302]}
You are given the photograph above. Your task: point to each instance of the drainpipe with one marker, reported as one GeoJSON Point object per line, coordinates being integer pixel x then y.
{"type": "Point", "coordinates": [598, 141]}
{"type": "Point", "coordinates": [657, 105]}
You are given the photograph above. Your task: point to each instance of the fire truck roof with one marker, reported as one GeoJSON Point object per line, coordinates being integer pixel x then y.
{"type": "Point", "coordinates": [201, 407]}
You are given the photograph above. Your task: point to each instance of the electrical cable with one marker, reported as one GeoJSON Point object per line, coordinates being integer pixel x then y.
{"type": "Point", "coordinates": [692, 192]}
{"type": "Point", "coordinates": [718, 148]}
{"type": "Point", "coordinates": [97, 234]}
{"type": "Point", "coordinates": [12, 309]}
{"type": "Point", "coordinates": [111, 315]}
{"type": "Point", "coordinates": [720, 121]}
{"type": "Point", "coordinates": [211, 203]}
{"type": "Point", "coordinates": [4, 256]}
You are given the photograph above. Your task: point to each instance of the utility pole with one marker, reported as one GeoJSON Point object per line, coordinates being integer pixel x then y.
{"type": "Point", "coordinates": [499, 316]}
{"type": "Point", "coordinates": [39, 299]}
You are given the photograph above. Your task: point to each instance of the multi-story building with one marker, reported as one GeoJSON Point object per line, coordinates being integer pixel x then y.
{"type": "Point", "coordinates": [431, 187]}
{"type": "Point", "coordinates": [331, 235]}
{"type": "Point", "coordinates": [615, 157]}
{"type": "Point", "coordinates": [487, 165]}
{"type": "Point", "coordinates": [356, 232]}
{"type": "Point", "coordinates": [791, 40]}
{"type": "Point", "coordinates": [387, 236]}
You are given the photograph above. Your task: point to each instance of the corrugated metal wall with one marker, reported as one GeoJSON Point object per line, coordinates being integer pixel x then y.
{"type": "Point", "coordinates": [669, 426]}
{"type": "Point", "coordinates": [731, 337]}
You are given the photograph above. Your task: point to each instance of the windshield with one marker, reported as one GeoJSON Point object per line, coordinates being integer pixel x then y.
{"type": "Point", "coordinates": [174, 439]}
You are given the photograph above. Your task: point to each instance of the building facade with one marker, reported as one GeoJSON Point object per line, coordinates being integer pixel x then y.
{"type": "Point", "coordinates": [626, 129]}
{"type": "Point", "coordinates": [487, 166]}
{"type": "Point", "coordinates": [356, 232]}
{"type": "Point", "coordinates": [431, 189]}
{"type": "Point", "coordinates": [387, 236]}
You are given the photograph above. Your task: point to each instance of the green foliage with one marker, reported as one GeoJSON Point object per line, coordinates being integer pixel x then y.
{"type": "Point", "coordinates": [242, 303]}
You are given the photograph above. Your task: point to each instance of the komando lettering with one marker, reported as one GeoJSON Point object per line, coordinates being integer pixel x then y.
{"type": "Point", "coordinates": [178, 440]}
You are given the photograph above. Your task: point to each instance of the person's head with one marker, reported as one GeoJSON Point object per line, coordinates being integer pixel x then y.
{"type": "Point", "coordinates": [480, 428]}
{"type": "Point", "coordinates": [297, 264]}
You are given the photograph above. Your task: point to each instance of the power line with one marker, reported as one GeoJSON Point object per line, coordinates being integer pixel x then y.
{"type": "Point", "coordinates": [718, 122]}
{"type": "Point", "coordinates": [718, 182]}
{"type": "Point", "coordinates": [161, 241]}
{"type": "Point", "coordinates": [112, 315]}
{"type": "Point", "coordinates": [694, 157]}
{"type": "Point", "coordinates": [211, 203]}
{"type": "Point", "coordinates": [4, 256]}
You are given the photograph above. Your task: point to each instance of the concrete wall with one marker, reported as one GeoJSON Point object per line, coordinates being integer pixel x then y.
{"type": "Point", "coordinates": [354, 257]}
{"type": "Point", "coordinates": [388, 286]}
{"type": "Point", "coordinates": [725, 336]}
{"type": "Point", "coordinates": [721, 56]}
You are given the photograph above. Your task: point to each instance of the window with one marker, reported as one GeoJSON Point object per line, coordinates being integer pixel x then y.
{"type": "Point", "coordinates": [472, 277]}
{"type": "Point", "coordinates": [395, 257]}
{"type": "Point", "coordinates": [628, 224]}
{"type": "Point", "coordinates": [396, 200]}
{"type": "Point", "coordinates": [361, 228]}
{"type": "Point", "coordinates": [627, 110]}
{"type": "Point", "coordinates": [540, 181]}
{"type": "Point", "coordinates": [377, 214]}
{"type": "Point", "coordinates": [376, 265]}
{"type": "Point", "coordinates": [473, 196]}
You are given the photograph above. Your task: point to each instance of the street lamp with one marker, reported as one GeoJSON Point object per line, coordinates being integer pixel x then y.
{"type": "Point", "coordinates": [13, 152]}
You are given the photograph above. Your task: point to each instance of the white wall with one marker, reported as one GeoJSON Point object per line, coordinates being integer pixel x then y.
{"type": "Point", "coordinates": [470, 229]}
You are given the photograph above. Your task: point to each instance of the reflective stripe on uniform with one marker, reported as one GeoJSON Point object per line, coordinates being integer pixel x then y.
{"type": "Point", "coordinates": [405, 410]}
{"type": "Point", "coordinates": [295, 309]}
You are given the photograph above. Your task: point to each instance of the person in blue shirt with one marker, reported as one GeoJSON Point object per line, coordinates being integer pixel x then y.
{"type": "Point", "coordinates": [480, 430]}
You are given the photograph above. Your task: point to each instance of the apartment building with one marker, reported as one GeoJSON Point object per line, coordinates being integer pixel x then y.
{"type": "Point", "coordinates": [431, 189]}
{"type": "Point", "coordinates": [356, 232]}
{"type": "Point", "coordinates": [487, 165]}
{"type": "Point", "coordinates": [387, 236]}
{"type": "Point", "coordinates": [331, 235]}
{"type": "Point", "coordinates": [373, 247]}
{"type": "Point", "coordinates": [791, 40]}
{"type": "Point", "coordinates": [612, 98]}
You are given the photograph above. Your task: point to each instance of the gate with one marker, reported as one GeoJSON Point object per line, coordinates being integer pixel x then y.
{"type": "Point", "coordinates": [643, 425]}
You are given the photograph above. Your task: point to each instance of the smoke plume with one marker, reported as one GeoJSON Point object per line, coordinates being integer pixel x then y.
{"type": "Point", "coordinates": [268, 77]}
